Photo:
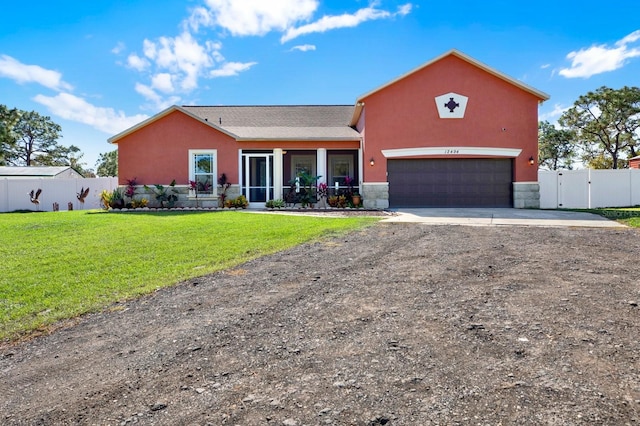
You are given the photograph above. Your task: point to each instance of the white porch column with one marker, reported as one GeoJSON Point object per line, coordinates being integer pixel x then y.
{"type": "Point", "coordinates": [361, 164]}
{"type": "Point", "coordinates": [277, 173]}
{"type": "Point", "coordinates": [321, 165]}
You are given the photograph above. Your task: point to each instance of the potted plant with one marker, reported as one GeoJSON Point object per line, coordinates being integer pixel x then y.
{"type": "Point", "coordinates": [356, 199]}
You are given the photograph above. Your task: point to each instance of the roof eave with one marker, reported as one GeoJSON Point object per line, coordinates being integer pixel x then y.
{"type": "Point", "coordinates": [336, 139]}
{"type": "Point", "coordinates": [357, 111]}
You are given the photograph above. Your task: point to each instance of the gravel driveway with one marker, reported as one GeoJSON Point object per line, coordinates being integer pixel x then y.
{"type": "Point", "coordinates": [397, 324]}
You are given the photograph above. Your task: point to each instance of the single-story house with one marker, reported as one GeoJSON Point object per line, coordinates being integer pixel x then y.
{"type": "Point", "coordinates": [451, 133]}
{"type": "Point", "coordinates": [634, 163]}
{"type": "Point", "coordinates": [39, 172]}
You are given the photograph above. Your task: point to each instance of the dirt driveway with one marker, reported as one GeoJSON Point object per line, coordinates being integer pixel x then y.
{"type": "Point", "coordinates": [398, 324]}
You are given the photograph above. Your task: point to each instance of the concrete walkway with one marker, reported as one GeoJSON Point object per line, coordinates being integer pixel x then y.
{"type": "Point", "coordinates": [497, 217]}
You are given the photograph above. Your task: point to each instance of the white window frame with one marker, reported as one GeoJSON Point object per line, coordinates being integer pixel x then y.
{"type": "Point", "coordinates": [214, 171]}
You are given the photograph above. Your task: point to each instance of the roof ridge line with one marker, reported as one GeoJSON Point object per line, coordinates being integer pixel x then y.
{"type": "Point", "coordinates": [268, 106]}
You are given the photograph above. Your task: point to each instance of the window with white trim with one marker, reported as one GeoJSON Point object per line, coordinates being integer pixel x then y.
{"type": "Point", "coordinates": [203, 169]}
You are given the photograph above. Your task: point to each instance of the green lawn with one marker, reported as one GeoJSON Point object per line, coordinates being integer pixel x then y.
{"type": "Point", "coordinates": [633, 222]}
{"type": "Point", "coordinates": [633, 218]}
{"type": "Point", "coordinates": [628, 215]}
{"type": "Point", "coordinates": [63, 264]}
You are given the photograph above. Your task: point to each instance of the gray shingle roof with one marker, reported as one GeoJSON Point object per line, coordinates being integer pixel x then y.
{"type": "Point", "coordinates": [33, 171]}
{"type": "Point", "coordinates": [281, 122]}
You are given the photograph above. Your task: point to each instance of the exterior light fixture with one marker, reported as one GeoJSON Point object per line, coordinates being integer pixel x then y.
{"type": "Point", "coordinates": [532, 161]}
{"type": "Point", "coordinates": [372, 162]}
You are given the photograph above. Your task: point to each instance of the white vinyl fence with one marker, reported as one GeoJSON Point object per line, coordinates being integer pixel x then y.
{"type": "Point", "coordinates": [589, 189]}
{"type": "Point", "coordinates": [14, 193]}
{"type": "Point", "coordinates": [568, 189]}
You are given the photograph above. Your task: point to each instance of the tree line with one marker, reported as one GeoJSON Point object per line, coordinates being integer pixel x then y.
{"type": "Point", "coordinates": [30, 139]}
{"type": "Point", "coordinates": [601, 130]}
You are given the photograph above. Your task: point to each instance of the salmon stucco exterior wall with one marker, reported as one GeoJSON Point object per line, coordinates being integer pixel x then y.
{"type": "Point", "coordinates": [158, 153]}
{"type": "Point", "coordinates": [404, 115]}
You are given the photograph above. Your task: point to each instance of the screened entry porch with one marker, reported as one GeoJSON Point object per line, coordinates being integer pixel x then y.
{"type": "Point", "coordinates": [270, 175]}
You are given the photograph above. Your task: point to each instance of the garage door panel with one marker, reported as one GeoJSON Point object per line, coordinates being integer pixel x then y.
{"type": "Point", "coordinates": [450, 182]}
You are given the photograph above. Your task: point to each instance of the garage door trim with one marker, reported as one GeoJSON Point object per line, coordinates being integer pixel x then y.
{"type": "Point", "coordinates": [451, 150]}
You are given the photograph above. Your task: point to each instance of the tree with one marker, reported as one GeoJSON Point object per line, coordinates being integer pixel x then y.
{"type": "Point", "coordinates": [8, 120]}
{"type": "Point", "coordinates": [600, 161]}
{"type": "Point", "coordinates": [36, 141]}
{"type": "Point", "coordinates": [556, 147]}
{"type": "Point", "coordinates": [107, 164]}
{"type": "Point", "coordinates": [30, 139]}
{"type": "Point", "coordinates": [67, 156]}
{"type": "Point", "coordinates": [606, 123]}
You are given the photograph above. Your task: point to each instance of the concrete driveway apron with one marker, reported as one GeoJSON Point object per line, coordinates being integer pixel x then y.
{"type": "Point", "coordinates": [501, 217]}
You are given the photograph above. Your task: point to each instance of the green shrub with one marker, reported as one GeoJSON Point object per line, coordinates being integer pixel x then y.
{"type": "Point", "coordinates": [112, 200]}
{"type": "Point", "coordinates": [275, 204]}
{"type": "Point", "coordinates": [241, 202]}
{"type": "Point", "coordinates": [164, 194]}
{"type": "Point", "coordinates": [238, 203]}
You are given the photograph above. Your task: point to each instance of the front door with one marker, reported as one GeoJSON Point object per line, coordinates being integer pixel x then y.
{"type": "Point", "coordinates": [257, 178]}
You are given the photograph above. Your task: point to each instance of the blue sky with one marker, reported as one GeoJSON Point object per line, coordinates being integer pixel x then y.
{"type": "Point", "coordinates": [99, 67]}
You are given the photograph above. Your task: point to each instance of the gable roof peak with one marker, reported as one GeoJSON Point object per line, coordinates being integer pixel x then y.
{"type": "Point", "coordinates": [455, 52]}
{"type": "Point", "coordinates": [163, 113]}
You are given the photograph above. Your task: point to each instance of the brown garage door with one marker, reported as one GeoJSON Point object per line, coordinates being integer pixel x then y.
{"type": "Point", "coordinates": [450, 182]}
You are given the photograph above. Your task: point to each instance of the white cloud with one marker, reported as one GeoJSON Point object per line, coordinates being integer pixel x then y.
{"type": "Point", "coordinates": [631, 38]}
{"type": "Point", "coordinates": [162, 82]}
{"type": "Point", "coordinates": [183, 57]}
{"type": "Point", "coordinates": [147, 92]}
{"type": "Point", "coordinates": [137, 63]}
{"type": "Point", "coordinates": [345, 20]}
{"type": "Point", "coordinates": [149, 49]}
{"type": "Point", "coordinates": [405, 9]}
{"type": "Point", "coordinates": [258, 17]}
{"type": "Point", "coordinates": [304, 47]}
{"type": "Point", "coordinates": [172, 66]}
{"type": "Point", "coordinates": [22, 73]}
{"type": "Point", "coordinates": [71, 107]}
{"type": "Point", "coordinates": [553, 115]}
{"type": "Point", "coordinates": [200, 16]}
{"type": "Point", "coordinates": [157, 102]}
{"type": "Point", "coordinates": [230, 69]}
{"type": "Point", "coordinates": [598, 59]}
{"type": "Point", "coordinates": [191, 58]}
{"type": "Point", "coordinates": [118, 48]}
